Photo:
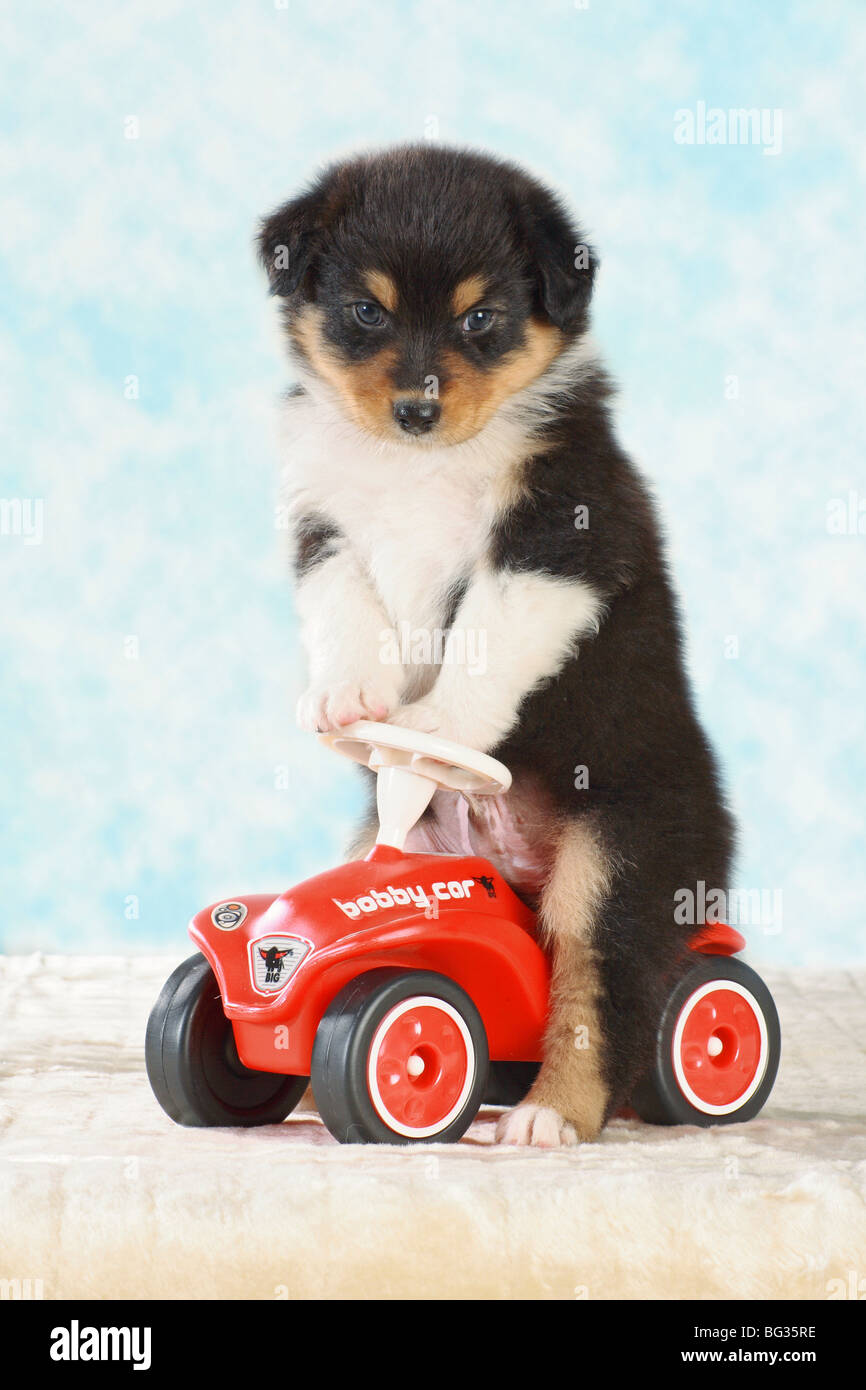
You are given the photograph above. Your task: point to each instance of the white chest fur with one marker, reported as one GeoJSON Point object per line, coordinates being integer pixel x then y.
{"type": "Point", "coordinates": [416, 521]}
{"type": "Point", "coordinates": [418, 518]}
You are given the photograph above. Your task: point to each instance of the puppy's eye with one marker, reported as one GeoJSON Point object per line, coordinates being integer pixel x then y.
{"type": "Point", "coordinates": [478, 321]}
{"type": "Point", "coordinates": [368, 313]}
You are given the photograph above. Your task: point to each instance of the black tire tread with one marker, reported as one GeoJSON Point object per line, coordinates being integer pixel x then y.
{"type": "Point", "coordinates": [174, 1061]}
{"type": "Point", "coordinates": [338, 1069]}
{"type": "Point", "coordinates": [657, 1099]}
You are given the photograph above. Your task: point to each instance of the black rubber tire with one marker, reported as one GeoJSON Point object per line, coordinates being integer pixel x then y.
{"type": "Point", "coordinates": [342, 1046]}
{"type": "Point", "coordinates": [193, 1064]}
{"type": "Point", "coordinates": [658, 1098]}
{"type": "Point", "coordinates": [508, 1082]}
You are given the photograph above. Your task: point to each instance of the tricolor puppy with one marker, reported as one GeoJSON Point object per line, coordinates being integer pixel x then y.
{"type": "Point", "coordinates": [452, 469]}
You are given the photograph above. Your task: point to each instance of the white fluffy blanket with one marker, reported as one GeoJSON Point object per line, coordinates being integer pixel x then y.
{"type": "Point", "coordinates": [101, 1196]}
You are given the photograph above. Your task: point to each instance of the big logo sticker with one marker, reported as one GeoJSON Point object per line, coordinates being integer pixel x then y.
{"type": "Point", "coordinates": [273, 961]}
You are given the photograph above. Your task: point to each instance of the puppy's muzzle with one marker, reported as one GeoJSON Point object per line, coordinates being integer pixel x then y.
{"type": "Point", "coordinates": [416, 417]}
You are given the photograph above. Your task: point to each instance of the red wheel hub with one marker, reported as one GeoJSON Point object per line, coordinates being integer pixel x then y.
{"type": "Point", "coordinates": [720, 1046]}
{"type": "Point", "coordinates": [420, 1066]}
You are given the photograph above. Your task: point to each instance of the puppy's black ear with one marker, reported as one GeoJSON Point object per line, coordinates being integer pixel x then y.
{"type": "Point", "coordinates": [562, 260]}
{"type": "Point", "coordinates": [285, 243]}
{"type": "Point", "coordinates": [288, 239]}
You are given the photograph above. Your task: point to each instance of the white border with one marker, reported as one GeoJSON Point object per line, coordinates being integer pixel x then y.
{"type": "Point", "coordinates": [763, 1057]}
{"type": "Point", "coordinates": [418, 1001]}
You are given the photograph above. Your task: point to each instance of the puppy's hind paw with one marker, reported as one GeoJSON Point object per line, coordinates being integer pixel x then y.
{"type": "Point", "coordinates": [538, 1126]}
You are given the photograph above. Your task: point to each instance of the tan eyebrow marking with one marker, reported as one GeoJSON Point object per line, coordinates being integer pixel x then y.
{"type": "Point", "coordinates": [382, 287]}
{"type": "Point", "coordinates": [467, 293]}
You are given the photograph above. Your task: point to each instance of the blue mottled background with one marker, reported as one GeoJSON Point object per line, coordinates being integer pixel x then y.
{"type": "Point", "coordinates": [149, 653]}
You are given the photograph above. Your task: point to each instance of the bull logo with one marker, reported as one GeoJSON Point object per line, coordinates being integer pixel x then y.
{"type": "Point", "coordinates": [273, 959]}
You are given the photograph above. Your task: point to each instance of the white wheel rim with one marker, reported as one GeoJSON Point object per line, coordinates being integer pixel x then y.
{"type": "Point", "coordinates": [379, 1104]}
{"type": "Point", "coordinates": [691, 1096]}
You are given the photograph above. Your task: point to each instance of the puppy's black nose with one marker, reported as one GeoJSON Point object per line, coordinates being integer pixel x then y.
{"type": "Point", "coordinates": [416, 417]}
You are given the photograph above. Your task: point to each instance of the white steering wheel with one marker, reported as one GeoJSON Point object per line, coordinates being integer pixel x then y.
{"type": "Point", "coordinates": [446, 763]}
{"type": "Point", "coordinates": [410, 766]}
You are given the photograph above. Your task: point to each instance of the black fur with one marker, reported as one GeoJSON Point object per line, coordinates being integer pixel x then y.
{"type": "Point", "coordinates": [624, 711]}
{"type": "Point", "coordinates": [316, 538]}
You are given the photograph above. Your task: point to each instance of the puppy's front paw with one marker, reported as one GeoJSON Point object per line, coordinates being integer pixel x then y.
{"type": "Point", "coordinates": [326, 708]}
{"type": "Point", "coordinates": [423, 715]}
{"type": "Point", "coordinates": [537, 1125]}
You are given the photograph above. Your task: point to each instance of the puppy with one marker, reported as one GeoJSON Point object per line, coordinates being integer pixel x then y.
{"type": "Point", "coordinates": [452, 469]}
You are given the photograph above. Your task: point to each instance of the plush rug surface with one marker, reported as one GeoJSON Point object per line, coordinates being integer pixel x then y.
{"type": "Point", "coordinates": [101, 1196]}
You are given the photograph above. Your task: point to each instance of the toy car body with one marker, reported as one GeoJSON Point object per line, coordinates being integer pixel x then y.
{"type": "Point", "coordinates": [457, 917]}
{"type": "Point", "coordinates": [410, 988]}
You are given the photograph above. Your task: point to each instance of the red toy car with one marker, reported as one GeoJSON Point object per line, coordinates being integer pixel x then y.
{"type": "Point", "coordinates": [409, 988]}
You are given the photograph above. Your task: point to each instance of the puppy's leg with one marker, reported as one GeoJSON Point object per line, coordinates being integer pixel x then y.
{"type": "Point", "coordinates": [529, 624]}
{"type": "Point", "coordinates": [569, 1098]}
{"type": "Point", "coordinates": [344, 630]}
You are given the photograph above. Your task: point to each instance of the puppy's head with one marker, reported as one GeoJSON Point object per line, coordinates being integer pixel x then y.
{"type": "Point", "coordinates": [427, 286]}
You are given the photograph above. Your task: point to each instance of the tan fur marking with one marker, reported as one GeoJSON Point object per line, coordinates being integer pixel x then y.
{"type": "Point", "coordinates": [580, 881]}
{"type": "Point", "coordinates": [467, 294]}
{"type": "Point", "coordinates": [511, 487]}
{"type": "Point", "coordinates": [469, 396]}
{"type": "Point", "coordinates": [570, 1080]}
{"type": "Point", "coordinates": [382, 287]}
{"type": "Point", "coordinates": [365, 388]}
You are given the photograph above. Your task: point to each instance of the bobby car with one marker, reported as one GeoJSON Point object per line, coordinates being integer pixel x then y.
{"type": "Point", "coordinates": [410, 988]}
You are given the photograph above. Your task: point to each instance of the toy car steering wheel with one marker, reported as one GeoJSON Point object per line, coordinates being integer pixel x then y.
{"type": "Point", "coordinates": [410, 766]}
{"type": "Point", "coordinates": [446, 763]}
